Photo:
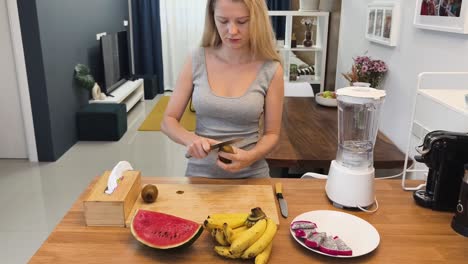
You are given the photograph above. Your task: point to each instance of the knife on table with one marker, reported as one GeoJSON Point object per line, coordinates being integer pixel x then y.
{"type": "Point", "coordinates": [282, 202]}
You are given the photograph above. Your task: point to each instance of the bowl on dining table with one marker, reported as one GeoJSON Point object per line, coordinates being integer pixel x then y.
{"type": "Point", "coordinates": [326, 99]}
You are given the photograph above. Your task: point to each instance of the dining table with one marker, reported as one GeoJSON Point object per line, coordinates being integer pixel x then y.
{"type": "Point", "coordinates": [309, 139]}
{"type": "Point", "coordinates": [407, 232]}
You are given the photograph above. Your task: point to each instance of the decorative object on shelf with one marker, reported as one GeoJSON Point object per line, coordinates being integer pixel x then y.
{"type": "Point", "coordinates": [308, 23]}
{"type": "Point", "coordinates": [305, 69]}
{"type": "Point", "coordinates": [366, 70]}
{"type": "Point", "coordinates": [293, 40]}
{"type": "Point", "coordinates": [308, 5]}
{"type": "Point", "coordinates": [96, 92]}
{"type": "Point", "coordinates": [383, 22]}
{"type": "Point", "coordinates": [85, 80]}
{"type": "Point", "coordinates": [442, 15]}
{"type": "Point", "coordinates": [293, 72]}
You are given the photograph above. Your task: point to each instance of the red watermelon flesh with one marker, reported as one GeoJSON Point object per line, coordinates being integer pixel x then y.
{"type": "Point", "coordinates": [163, 231]}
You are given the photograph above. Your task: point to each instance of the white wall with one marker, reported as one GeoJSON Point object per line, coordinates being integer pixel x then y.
{"type": "Point", "coordinates": [417, 51]}
{"type": "Point", "coordinates": [12, 132]}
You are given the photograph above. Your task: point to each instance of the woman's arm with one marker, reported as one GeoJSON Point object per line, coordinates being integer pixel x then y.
{"type": "Point", "coordinates": [272, 126]}
{"type": "Point", "coordinates": [197, 147]}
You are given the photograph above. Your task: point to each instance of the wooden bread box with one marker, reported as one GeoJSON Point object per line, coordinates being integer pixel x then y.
{"type": "Point", "coordinates": [101, 209]}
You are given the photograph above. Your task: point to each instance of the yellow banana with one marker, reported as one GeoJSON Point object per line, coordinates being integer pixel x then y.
{"type": "Point", "coordinates": [263, 257]}
{"type": "Point", "coordinates": [259, 245]}
{"type": "Point", "coordinates": [212, 223]}
{"type": "Point", "coordinates": [228, 215]}
{"type": "Point", "coordinates": [236, 236]}
{"type": "Point", "coordinates": [224, 251]}
{"type": "Point", "coordinates": [228, 233]}
{"type": "Point", "coordinates": [219, 237]}
{"type": "Point", "coordinates": [239, 229]}
{"type": "Point", "coordinates": [248, 237]}
{"type": "Point", "coordinates": [213, 233]}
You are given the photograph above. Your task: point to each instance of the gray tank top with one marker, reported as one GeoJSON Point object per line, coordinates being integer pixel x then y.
{"type": "Point", "coordinates": [224, 118]}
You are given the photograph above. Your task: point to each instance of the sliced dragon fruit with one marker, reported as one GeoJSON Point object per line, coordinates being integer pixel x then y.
{"type": "Point", "coordinates": [315, 240]}
{"type": "Point", "coordinates": [304, 233]}
{"type": "Point", "coordinates": [343, 249]}
{"type": "Point", "coordinates": [303, 225]}
{"type": "Point", "coordinates": [329, 246]}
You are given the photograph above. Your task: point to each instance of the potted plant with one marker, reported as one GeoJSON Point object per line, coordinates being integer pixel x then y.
{"type": "Point", "coordinates": [366, 72]}
{"type": "Point", "coordinates": [86, 81]}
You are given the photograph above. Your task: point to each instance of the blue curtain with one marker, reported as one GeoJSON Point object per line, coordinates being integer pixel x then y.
{"type": "Point", "coordinates": [147, 44]}
{"type": "Point", "coordinates": [279, 22]}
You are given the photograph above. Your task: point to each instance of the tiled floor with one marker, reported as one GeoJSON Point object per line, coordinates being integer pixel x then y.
{"type": "Point", "coordinates": [35, 196]}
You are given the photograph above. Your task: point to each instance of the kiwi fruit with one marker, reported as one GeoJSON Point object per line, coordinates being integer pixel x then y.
{"type": "Point", "coordinates": [228, 149]}
{"type": "Point", "coordinates": [149, 193]}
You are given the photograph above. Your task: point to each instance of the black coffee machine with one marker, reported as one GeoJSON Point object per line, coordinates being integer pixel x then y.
{"type": "Point", "coordinates": [460, 220]}
{"type": "Point", "coordinates": [445, 154]}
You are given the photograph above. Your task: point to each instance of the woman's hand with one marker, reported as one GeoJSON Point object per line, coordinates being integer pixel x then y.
{"type": "Point", "coordinates": [239, 159]}
{"type": "Point", "coordinates": [200, 147]}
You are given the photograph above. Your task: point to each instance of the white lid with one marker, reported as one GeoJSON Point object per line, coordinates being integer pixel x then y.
{"type": "Point", "coordinates": [361, 92]}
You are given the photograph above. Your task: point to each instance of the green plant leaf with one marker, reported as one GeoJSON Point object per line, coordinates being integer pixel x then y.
{"type": "Point", "coordinates": [85, 81]}
{"type": "Point", "coordinates": [81, 69]}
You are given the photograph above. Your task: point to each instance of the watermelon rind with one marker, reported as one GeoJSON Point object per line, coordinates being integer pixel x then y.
{"type": "Point", "coordinates": [135, 228]}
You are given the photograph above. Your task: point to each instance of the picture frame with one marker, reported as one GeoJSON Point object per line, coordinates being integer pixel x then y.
{"type": "Point", "coordinates": [442, 15]}
{"type": "Point", "coordinates": [383, 22]}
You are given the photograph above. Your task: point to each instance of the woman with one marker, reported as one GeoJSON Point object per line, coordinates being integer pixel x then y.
{"type": "Point", "coordinates": [235, 80]}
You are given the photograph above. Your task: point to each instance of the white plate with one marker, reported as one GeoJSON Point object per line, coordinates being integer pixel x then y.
{"type": "Point", "coordinates": [357, 233]}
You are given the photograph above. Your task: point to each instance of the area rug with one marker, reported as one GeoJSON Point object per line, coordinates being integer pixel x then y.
{"type": "Point", "coordinates": [153, 120]}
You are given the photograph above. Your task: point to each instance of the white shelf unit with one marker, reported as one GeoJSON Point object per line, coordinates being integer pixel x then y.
{"type": "Point", "coordinates": [439, 105]}
{"type": "Point", "coordinates": [129, 93]}
{"type": "Point", "coordinates": [318, 50]}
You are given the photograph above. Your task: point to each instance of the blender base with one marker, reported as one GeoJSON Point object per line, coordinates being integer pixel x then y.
{"type": "Point", "coordinates": [348, 188]}
{"type": "Point", "coordinates": [337, 205]}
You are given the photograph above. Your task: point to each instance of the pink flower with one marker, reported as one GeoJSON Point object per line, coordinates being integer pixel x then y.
{"type": "Point", "coordinates": [365, 69]}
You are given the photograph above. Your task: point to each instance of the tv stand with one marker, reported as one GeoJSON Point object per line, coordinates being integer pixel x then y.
{"type": "Point", "coordinates": [128, 93]}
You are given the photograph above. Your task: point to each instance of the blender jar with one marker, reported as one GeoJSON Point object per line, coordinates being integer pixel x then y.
{"type": "Point", "coordinates": [358, 118]}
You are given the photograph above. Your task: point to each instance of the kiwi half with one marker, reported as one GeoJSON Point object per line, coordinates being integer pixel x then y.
{"type": "Point", "coordinates": [228, 149]}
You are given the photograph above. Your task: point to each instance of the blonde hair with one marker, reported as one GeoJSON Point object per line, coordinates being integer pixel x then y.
{"type": "Point", "coordinates": [261, 37]}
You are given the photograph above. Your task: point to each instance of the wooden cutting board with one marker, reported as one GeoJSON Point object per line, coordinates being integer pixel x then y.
{"type": "Point", "coordinates": [196, 201]}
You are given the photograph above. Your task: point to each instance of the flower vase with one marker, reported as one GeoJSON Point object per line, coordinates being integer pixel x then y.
{"type": "Point", "coordinates": [308, 39]}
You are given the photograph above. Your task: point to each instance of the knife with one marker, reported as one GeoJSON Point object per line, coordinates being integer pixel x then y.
{"type": "Point", "coordinates": [221, 144]}
{"type": "Point", "coordinates": [282, 202]}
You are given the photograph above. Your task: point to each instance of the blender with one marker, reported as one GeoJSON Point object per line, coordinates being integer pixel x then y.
{"type": "Point", "coordinates": [350, 181]}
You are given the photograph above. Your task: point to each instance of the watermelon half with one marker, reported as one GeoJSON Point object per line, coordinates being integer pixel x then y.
{"type": "Point", "coordinates": [163, 231]}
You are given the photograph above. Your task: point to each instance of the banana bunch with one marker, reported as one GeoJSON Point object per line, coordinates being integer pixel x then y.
{"type": "Point", "coordinates": [245, 236]}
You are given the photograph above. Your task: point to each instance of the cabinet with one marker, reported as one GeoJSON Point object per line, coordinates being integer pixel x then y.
{"type": "Point", "coordinates": [318, 50]}
{"type": "Point", "coordinates": [129, 93]}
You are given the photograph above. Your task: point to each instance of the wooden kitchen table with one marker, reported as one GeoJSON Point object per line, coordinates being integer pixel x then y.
{"type": "Point", "coordinates": [309, 138]}
{"type": "Point", "coordinates": [408, 233]}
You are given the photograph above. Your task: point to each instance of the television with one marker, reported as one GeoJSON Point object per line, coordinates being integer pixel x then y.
{"type": "Point", "coordinates": [115, 61]}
